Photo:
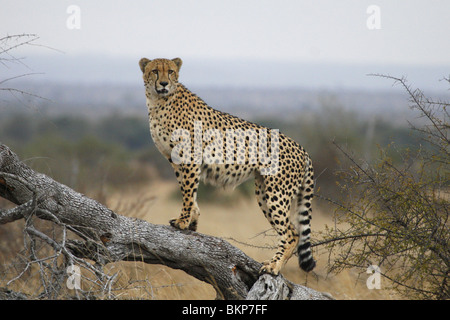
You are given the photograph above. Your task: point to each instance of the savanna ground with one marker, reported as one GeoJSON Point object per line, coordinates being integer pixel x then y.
{"type": "Point", "coordinates": [112, 160]}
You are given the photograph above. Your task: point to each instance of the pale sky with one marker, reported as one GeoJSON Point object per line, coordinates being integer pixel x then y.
{"type": "Point", "coordinates": [297, 43]}
{"type": "Point", "coordinates": [411, 31]}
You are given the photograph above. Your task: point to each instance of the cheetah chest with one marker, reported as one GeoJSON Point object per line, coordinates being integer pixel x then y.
{"type": "Point", "coordinates": [161, 137]}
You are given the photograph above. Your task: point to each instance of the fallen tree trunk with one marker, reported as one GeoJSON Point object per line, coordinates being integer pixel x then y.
{"type": "Point", "coordinates": [108, 237]}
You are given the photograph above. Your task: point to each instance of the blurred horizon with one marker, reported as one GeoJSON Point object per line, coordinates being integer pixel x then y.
{"type": "Point", "coordinates": [229, 73]}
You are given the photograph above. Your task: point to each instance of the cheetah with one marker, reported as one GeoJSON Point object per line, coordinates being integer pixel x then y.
{"type": "Point", "coordinates": [182, 126]}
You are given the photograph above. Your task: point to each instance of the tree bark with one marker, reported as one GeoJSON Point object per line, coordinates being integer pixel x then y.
{"type": "Point", "coordinates": [108, 237]}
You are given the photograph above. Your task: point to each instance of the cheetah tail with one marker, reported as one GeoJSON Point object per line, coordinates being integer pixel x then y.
{"type": "Point", "coordinates": [303, 213]}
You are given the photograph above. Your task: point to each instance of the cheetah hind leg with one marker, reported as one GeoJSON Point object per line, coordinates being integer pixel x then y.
{"type": "Point", "coordinates": [287, 244]}
{"type": "Point", "coordinates": [279, 220]}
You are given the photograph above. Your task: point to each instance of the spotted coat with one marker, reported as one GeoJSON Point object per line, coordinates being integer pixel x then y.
{"type": "Point", "coordinates": [216, 147]}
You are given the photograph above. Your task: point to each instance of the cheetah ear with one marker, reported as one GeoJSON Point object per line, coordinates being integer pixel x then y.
{"type": "Point", "coordinates": [142, 63]}
{"type": "Point", "coordinates": [178, 62]}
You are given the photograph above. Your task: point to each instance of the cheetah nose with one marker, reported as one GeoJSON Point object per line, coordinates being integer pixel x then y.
{"type": "Point", "coordinates": [164, 83]}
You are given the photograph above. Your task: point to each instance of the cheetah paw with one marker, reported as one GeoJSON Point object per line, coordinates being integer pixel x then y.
{"type": "Point", "coordinates": [179, 224]}
{"type": "Point", "coordinates": [269, 267]}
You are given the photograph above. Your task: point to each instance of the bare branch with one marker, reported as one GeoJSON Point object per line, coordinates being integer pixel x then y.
{"type": "Point", "coordinates": [7, 45]}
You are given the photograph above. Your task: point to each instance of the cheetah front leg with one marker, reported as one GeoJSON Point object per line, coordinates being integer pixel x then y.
{"type": "Point", "coordinates": [188, 179]}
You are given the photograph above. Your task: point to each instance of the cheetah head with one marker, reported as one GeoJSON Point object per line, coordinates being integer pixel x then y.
{"type": "Point", "coordinates": [160, 75]}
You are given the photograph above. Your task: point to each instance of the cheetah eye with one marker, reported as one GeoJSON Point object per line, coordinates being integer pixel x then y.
{"type": "Point", "coordinates": [171, 71]}
{"type": "Point", "coordinates": [155, 71]}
